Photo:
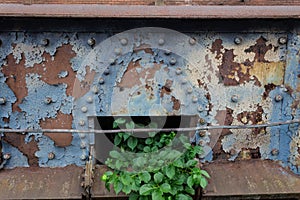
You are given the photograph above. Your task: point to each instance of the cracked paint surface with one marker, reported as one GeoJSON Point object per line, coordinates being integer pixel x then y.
{"type": "Point", "coordinates": [57, 80]}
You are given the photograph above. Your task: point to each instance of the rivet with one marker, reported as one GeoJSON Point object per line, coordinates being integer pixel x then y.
{"type": "Point", "coordinates": [51, 156]}
{"type": "Point", "coordinates": [44, 42]}
{"type": "Point", "coordinates": [201, 143]}
{"type": "Point", "coordinates": [161, 41]}
{"type": "Point", "coordinates": [82, 135]}
{"type": "Point", "coordinates": [234, 98]}
{"type": "Point", "coordinates": [91, 42]}
{"type": "Point", "coordinates": [232, 152]}
{"type": "Point", "coordinates": [2, 100]}
{"type": "Point", "coordinates": [195, 99]}
{"type": "Point", "coordinates": [284, 89]}
{"type": "Point", "coordinates": [237, 40]}
{"type": "Point", "coordinates": [192, 41]}
{"type": "Point", "coordinates": [82, 145]}
{"type": "Point", "coordinates": [278, 98]}
{"type": "Point", "coordinates": [190, 90]}
{"type": "Point", "coordinates": [124, 41]}
{"type": "Point", "coordinates": [184, 81]}
{"type": "Point", "coordinates": [95, 89]}
{"type": "Point", "coordinates": [173, 61]}
{"type": "Point", "coordinates": [84, 109]}
{"type": "Point", "coordinates": [82, 184]}
{"type": "Point", "coordinates": [282, 40]}
{"type": "Point", "coordinates": [82, 122]}
{"type": "Point", "coordinates": [106, 71]}
{"type": "Point", "coordinates": [200, 109]}
{"type": "Point", "coordinates": [83, 157]}
{"type": "Point", "coordinates": [275, 152]}
{"type": "Point", "coordinates": [202, 133]}
{"type": "Point", "coordinates": [89, 99]}
{"type": "Point", "coordinates": [48, 100]}
{"type": "Point", "coordinates": [7, 156]}
{"type": "Point", "coordinates": [178, 71]}
{"type": "Point", "coordinates": [202, 121]}
{"type": "Point", "coordinates": [118, 51]}
{"type": "Point", "coordinates": [167, 52]}
{"type": "Point", "coordinates": [112, 61]}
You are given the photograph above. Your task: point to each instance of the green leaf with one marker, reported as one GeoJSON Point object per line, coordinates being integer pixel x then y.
{"type": "Point", "coordinates": [190, 181]}
{"type": "Point", "coordinates": [165, 188]}
{"type": "Point", "coordinates": [126, 136]}
{"type": "Point", "coordinates": [205, 173]}
{"type": "Point", "coordinates": [147, 149]}
{"type": "Point", "coordinates": [114, 154]}
{"type": "Point", "coordinates": [158, 177]}
{"type": "Point", "coordinates": [120, 121]}
{"type": "Point", "coordinates": [178, 163]}
{"type": "Point", "coordinates": [149, 141]}
{"type": "Point", "coordinates": [180, 179]}
{"type": "Point", "coordinates": [152, 134]}
{"type": "Point", "coordinates": [146, 189]}
{"type": "Point", "coordinates": [144, 198]}
{"type": "Point", "coordinates": [133, 196]}
{"type": "Point", "coordinates": [132, 142]}
{"type": "Point", "coordinates": [183, 197]}
{"type": "Point", "coordinates": [203, 182]}
{"type": "Point", "coordinates": [130, 125]}
{"type": "Point", "coordinates": [145, 176]}
{"type": "Point", "coordinates": [119, 164]}
{"type": "Point", "coordinates": [117, 140]}
{"type": "Point", "coordinates": [126, 179]}
{"type": "Point", "coordinates": [175, 189]}
{"type": "Point", "coordinates": [118, 187]}
{"type": "Point", "coordinates": [107, 186]}
{"type": "Point", "coordinates": [126, 189]}
{"type": "Point", "coordinates": [191, 163]}
{"type": "Point", "coordinates": [170, 172]}
{"type": "Point", "coordinates": [189, 190]}
{"type": "Point", "coordinates": [157, 195]}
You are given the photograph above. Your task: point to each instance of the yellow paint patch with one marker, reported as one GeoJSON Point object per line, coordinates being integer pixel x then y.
{"type": "Point", "coordinates": [266, 72]}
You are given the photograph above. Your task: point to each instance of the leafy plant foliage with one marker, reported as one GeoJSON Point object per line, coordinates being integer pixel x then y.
{"type": "Point", "coordinates": [159, 167]}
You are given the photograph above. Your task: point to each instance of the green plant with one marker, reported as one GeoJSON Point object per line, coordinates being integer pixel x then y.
{"type": "Point", "coordinates": [160, 167]}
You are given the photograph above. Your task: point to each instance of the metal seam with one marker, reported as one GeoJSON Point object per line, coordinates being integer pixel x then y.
{"type": "Point", "coordinates": [156, 129]}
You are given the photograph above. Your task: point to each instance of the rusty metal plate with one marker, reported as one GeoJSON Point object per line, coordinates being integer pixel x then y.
{"type": "Point", "coordinates": [41, 183]}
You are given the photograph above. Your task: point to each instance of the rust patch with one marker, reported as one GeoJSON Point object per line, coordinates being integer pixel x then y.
{"type": "Point", "coordinates": [268, 89]}
{"type": "Point", "coordinates": [176, 103]}
{"type": "Point", "coordinates": [143, 47]}
{"type": "Point", "coordinates": [259, 49]}
{"type": "Point", "coordinates": [28, 149]}
{"type": "Point", "coordinates": [255, 117]}
{"type": "Point", "coordinates": [295, 104]}
{"type": "Point", "coordinates": [217, 47]}
{"type": "Point", "coordinates": [166, 89]}
{"type": "Point", "coordinates": [224, 117]}
{"type": "Point", "coordinates": [62, 121]}
{"type": "Point", "coordinates": [249, 153]}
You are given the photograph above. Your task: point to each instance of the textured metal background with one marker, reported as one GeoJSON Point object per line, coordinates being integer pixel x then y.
{"type": "Point", "coordinates": [51, 77]}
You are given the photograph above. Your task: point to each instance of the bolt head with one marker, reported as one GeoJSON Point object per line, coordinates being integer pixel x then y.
{"type": "Point", "coordinates": [282, 40]}
{"type": "Point", "coordinates": [195, 99]}
{"type": "Point", "coordinates": [7, 156]}
{"type": "Point", "coordinates": [178, 71]}
{"type": "Point", "coordinates": [232, 152]}
{"type": "Point", "coordinates": [2, 100]}
{"type": "Point", "coordinates": [190, 90]}
{"type": "Point", "coordinates": [192, 41]}
{"type": "Point", "coordinates": [83, 157]}
{"type": "Point", "coordinates": [48, 100]}
{"type": "Point", "coordinates": [95, 89]}
{"type": "Point", "coordinates": [161, 41]}
{"type": "Point", "coordinates": [167, 52]}
{"type": "Point", "coordinates": [202, 121]}
{"type": "Point", "coordinates": [184, 81]}
{"type": "Point", "coordinates": [173, 61]}
{"type": "Point", "coordinates": [89, 99]}
{"type": "Point", "coordinates": [275, 152]}
{"type": "Point", "coordinates": [51, 156]}
{"type": "Point", "coordinates": [82, 135]}
{"type": "Point", "coordinates": [278, 98]}
{"type": "Point", "coordinates": [237, 40]}
{"type": "Point", "coordinates": [106, 71]}
{"type": "Point", "coordinates": [84, 109]}
{"type": "Point", "coordinates": [202, 133]}
{"type": "Point", "coordinates": [234, 98]}
{"type": "Point", "coordinates": [91, 41]}
{"type": "Point", "coordinates": [201, 143]}
{"type": "Point", "coordinates": [200, 109]}
{"type": "Point", "coordinates": [83, 145]}
{"type": "Point", "coordinates": [82, 122]}
{"type": "Point", "coordinates": [118, 51]}
{"type": "Point", "coordinates": [112, 61]}
{"type": "Point", "coordinates": [44, 42]}
{"type": "Point", "coordinates": [124, 41]}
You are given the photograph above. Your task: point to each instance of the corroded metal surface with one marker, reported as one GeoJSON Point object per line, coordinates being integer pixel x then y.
{"type": "Point", "coordinates": [134, 11]}
{"type": "Point", "coordinates": [252, 178]}
{"type": "Point", "coordinates": [41, 183]}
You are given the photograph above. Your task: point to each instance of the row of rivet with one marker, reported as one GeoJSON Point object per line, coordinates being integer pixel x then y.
{"type": "Point", "coordinates": [281, 40]}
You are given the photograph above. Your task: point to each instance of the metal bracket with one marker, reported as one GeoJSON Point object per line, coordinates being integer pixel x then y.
{"type": "Point", "coordinates": [88, 175]}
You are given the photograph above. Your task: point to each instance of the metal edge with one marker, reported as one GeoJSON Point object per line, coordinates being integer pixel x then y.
{"type": "Point", "coordinates": [141, 11]}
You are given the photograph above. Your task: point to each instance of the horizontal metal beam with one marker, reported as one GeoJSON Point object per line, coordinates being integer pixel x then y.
{"type": "Point", "coordinates": [141, 11]}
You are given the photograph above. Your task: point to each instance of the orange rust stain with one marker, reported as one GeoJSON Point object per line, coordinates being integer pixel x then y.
{"type": "Point", "coordinates": [176, 103]}
{"type": "Point", "coordinates": [260, 49]}
{"type": "Point", "coordinates": [62, 121]}
{"type": "Point", "coordinates": [81, 88]}
{"type": "Point", "coordinates": [166, 89]}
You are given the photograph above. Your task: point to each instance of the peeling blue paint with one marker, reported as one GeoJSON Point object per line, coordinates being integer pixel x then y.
{"type": "Point", "coordinates": [17, 159]}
